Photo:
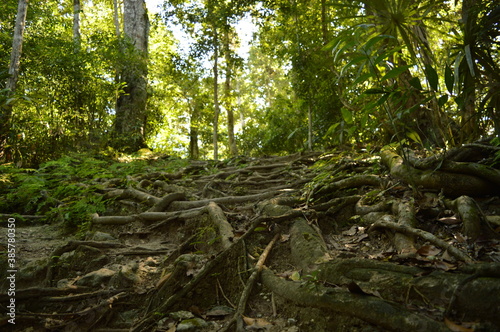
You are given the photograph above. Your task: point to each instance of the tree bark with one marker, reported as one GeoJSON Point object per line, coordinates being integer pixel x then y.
{"type": "Point", "coordinates": [216, 93]}
{"type": "Point", "coordinates": [130, 121]}
{"type": "Point", "coordinates": [233, 151]}
{"type": "Point", "coordinates": [194, 151]}
{"type": "Point", "coordinates": [15, 61]}
{"type": "Point", "coordinates": [469, 121]}
{"type": "Point", "coordinates": [76, 24]}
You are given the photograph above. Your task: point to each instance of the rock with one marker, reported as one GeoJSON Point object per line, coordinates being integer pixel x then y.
{"type": "Point", "coordinates": [101, 236]}
{"type": "Point", "coordinates": [127, 276]}
{"type": "Point", "coordinates": [63, 283]}
{"type": "Point", "coordinates": [181, 315]}
{"type": "Point", "coordinates": [96, 278]}
{"type": "Point", "coordinates": [193, 324]}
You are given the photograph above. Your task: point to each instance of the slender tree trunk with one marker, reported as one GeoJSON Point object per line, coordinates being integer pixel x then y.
{"type": "Point", "coordinates": [15, 61]}
{"type": "Point", "coordinates": [216, 94]}
{"type": "Point", "coordinates": [324, 23]}
{"type": "Point", "coordinates": [76, 24]}
{"type": "Point", "coordinates": [130, 121]}
{"type": "Point", "coordinates": [116, 18]}
{"type": "Point", "coordinates": [310, 126]}
{"type": "Point", "coordinates": [194, 151]}
{"type": "Point", "coordinates": [469, 122]}
{"type": "Point", "coordinates": [233, 150]}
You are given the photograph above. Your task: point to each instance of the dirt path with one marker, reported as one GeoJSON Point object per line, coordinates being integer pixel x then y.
{"type": "Point", "coordinates": [308, 242]}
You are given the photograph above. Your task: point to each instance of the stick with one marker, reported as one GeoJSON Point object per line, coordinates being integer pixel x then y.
{"type": "Point", "coordinates": [250, 282]}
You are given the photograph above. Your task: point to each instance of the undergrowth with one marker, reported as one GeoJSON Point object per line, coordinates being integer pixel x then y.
{"type": "Point", "coordinates": [67, 189]}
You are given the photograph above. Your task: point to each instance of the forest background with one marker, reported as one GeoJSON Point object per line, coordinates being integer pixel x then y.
{"type": "Point", "coordinates": [109, 76]}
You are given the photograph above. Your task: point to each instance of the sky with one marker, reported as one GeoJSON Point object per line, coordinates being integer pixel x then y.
{"type": "Point", "coordinates": [245, 29]}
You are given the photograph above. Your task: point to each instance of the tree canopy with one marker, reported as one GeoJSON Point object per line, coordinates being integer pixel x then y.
{"type": "Point", "coordinates": [315, 74]}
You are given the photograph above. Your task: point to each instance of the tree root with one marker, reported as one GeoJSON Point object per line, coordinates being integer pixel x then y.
{"type": "Point", "coordinates": [370, 309]}
{"type": "Point", "coordinates": [449, 183]}
{"type": "Point", "coordinates": [458, 254]}
{"type": "Point", "coordinates": [240, 310]}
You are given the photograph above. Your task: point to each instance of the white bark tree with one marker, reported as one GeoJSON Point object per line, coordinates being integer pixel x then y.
{"type": "Point", "coordinates": [15, 61]}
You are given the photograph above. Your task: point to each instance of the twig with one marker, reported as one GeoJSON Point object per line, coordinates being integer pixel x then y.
{"type": "Point", "coordinates": [224, 295]}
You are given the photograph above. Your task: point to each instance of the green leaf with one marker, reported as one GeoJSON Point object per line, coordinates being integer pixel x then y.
{"type": "Point", "coordinates": [449, 79]}
{"type": "Point", "coordinates": [470, 62]}
{"type": "Point", "coordinates": [442, 100]}
{"type": "Point", "coordinates": [395, 72]}
{"type": "Point", "coordinates": [374, 91]}
{"type": "Point", "coordinates": [415, 82]}
{"type": "Point", "coordinates": [432, 77]}
{"type": "Point", "coordinates": [331, 130]}
{"type": "Point", "coordinates": [362, 78]}
{"type": "Point", "coordinates": [346, 115]}
{"type": "Point", "coordinates": [369, 44]}
{"type": "Point", "coordinates": [414, 137]}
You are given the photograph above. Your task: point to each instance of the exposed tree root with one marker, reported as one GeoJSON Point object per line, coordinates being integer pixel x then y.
{"type": "Point", "coordinates": [368, 308]}
{"type": "Point", "coordinates": [431, 179]}
{"type": "Point", "coordinates": [179, 244]}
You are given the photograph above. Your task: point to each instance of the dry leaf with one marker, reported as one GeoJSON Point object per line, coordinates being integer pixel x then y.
{"type": "Point", "coordinates": [352, 231]}
{"type": "Point", "coordinates": [285, 237]}
{"type": "Point", "coordinates": [460, 238]}
{"type": "Point", "coordinates": [455, 327]}
{"type": "Point", "coordinates": [256, 323]}
{"type": "Point", "coordinates": [450, 220]}
{"type": "Point", "coordinates": [428, 251]}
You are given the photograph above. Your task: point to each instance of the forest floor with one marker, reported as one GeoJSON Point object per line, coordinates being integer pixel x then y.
{"type": "Point", "coordinates": [337, 241]}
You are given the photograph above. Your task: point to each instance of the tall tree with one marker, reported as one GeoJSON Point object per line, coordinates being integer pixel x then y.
{"type": "Point", "coordinates": [15, 60]}
{"type": "Point", "coordinates": [76, 23]}
{"type": "Point", "coordinates": [130, 121]}
{"type": "Point", "coordinates": [228, 90]}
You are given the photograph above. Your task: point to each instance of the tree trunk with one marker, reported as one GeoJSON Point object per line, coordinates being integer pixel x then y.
{"type": "Point", "coordinates": [116, 18]}
{"type": "Point", "coordinates": [469, 121]}
{"type": "Point", "coordinates": [324, 23]}
{"type": "Point", "coordinates": [15, 60]}
{"type": "Point", "coordinates": [233, 151]}
{"type": "Point", "coordinates": [194, 151]}
{"type": "Point", "coordinates": [309, 126]}
{"type": "Point", "coordinates": [130, 121]}
{"type": "Point", "coordinates": [76, 24]}
{"type": "Point", "coordinates": [216, 94]}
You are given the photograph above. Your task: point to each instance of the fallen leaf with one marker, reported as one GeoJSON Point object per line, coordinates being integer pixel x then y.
{"type": "Point", "coordinates": [428, 251]}
{"type": "Point", "coordinates": [219, 311]}
{"type": "Point", "coordinates": [455, 327]}
{"type": "Point", "coordinates": [460, 238]}
{"type": "Point", "coordinates": [453, 220]}
{"type": "Point", "coordinates": [256, 323]}
{"type": "Point", "coordinates": [285, 237]}
{"type": "Point", "coordinates": [443, 265]}
{"type": "Point", "coordinates": [352, 231]}
{"type": "Point", "coordinates": [295, 276]}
